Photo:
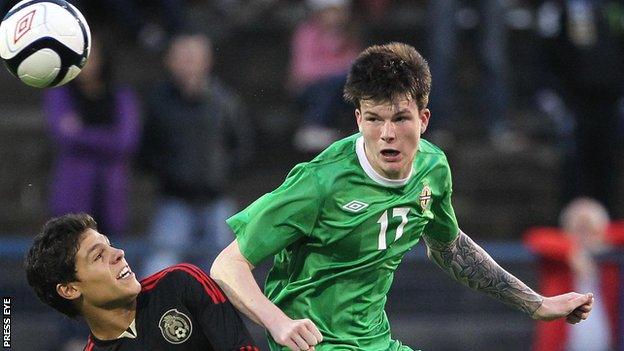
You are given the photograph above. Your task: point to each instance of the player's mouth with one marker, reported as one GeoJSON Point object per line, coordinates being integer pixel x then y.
{"type": "Point", "coordinates": [125, 273]}
{"type": "Point", "coordinates": [390, 155]}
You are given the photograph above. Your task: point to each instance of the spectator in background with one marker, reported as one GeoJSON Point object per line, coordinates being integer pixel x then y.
{"type": "Point", "coordinates": [323, 48]}
{"type": "Point", "coordinates": [568, 261]}
{"type": "Point", "coordinates": [150, 22]}
{"type": "Point", "coordinates": [196, 135]}
{"type": "Point", "coordinates": [583, 46]}
{"type": "Point", "coordinates": [376, 9]}
{"type": "Point", "coordinates": [494, 96]}
{"type": "Point", "coordinates": [95, 127]}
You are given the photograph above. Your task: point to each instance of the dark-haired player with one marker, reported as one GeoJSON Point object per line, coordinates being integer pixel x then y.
{"type": "Point", "coordinates": [340, 224]}
{"type": "Point", "coordinates": [75, 270]}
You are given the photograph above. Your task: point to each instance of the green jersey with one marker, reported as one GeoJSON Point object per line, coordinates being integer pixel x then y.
{"type": "Point", "coordinates": [338, 231]}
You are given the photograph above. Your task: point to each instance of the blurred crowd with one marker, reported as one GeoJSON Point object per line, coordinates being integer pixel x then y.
{"type": "Point", "coordinates": [195, 133]}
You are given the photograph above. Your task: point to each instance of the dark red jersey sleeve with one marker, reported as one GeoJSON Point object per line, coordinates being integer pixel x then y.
{"type": "Point", "coordinates": [220, 321]}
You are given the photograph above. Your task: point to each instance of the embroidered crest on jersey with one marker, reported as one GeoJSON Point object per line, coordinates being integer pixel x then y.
{"type": "Point", "coordinates": [175, 326]}
{"type": "Point", "coordinates": [425, 198]}
{"type": "Point", "coordinates": [355, 206]}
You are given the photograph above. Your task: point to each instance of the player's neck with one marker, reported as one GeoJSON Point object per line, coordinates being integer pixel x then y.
{"type": "Point", "coordinates": [109, 324]}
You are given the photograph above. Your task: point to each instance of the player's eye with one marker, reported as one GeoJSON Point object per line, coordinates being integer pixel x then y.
{"type": "Point", "coordinates": [99, 255]}
{"type": "Point", "coordinates": [401, 119]}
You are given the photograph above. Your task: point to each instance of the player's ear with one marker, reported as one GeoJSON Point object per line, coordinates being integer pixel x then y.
{"type": "Point", "coordinates": [68, 291]}
{"type": "Point", "coordinates": [358, 119]}
{"type": "Point", "coordinates": [424, 115]}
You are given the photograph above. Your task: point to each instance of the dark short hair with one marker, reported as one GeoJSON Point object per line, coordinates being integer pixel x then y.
{"type": "Point", "coordinates": [51, 259]}
{"type": "Point", "coordinates": [387, 72]}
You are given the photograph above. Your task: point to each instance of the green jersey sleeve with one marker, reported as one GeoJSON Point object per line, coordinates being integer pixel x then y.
{"type": "Point", "coordinates": [279, 218]}
{"type": "Point", "coordinates": [443, 227]}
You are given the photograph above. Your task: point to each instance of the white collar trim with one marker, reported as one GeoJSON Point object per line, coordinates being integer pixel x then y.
{"type": "Point", "coordinates": [130, 333]}
{"type": "Point", "coordinates": [370, 171]}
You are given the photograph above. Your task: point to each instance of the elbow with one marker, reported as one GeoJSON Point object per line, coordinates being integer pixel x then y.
{"type": "Point", "coordinates": [229, 262]}
{"type": "Point", "coordinates": [429, 254]}
{"type": "Point", "coordinates": [225, 263]}
{"type": "Point", "coordinates": [217, 269]}
{"type": "Point", "coordinates": [434, 258]}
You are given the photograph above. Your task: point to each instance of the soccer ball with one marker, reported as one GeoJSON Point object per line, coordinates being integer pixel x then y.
{"type": "Point", "coordinates": [44, 43]}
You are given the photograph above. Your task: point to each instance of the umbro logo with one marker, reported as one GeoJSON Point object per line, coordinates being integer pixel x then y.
{"type": "Point", "coordinates": [355, 206]}
{"type": "Point", "coordinates": [23, 25]}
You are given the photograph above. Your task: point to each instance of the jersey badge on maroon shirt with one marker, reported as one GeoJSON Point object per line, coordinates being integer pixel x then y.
{"type": "Point", "coordinates": [176, 327]}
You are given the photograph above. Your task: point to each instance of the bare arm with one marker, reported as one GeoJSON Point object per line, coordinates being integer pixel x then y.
{"type": "Point", "coordinates": [468, 263]}
{"type": "Point", "coordinates": [233, 274]}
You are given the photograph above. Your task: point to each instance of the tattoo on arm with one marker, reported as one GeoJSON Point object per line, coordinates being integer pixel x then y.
{"type": "Point", "coordinates": [468, 263]}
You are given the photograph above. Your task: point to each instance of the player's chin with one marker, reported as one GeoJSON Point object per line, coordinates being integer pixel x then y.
{"type": "Point", "coordinates": [135, 286]}
{"type": "Point", "coordinates": [130, 284]}
{"type": "Point", "coordinates": [393, 169]}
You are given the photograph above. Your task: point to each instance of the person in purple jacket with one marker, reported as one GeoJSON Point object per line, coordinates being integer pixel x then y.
{"type": "Point", "coordinates": [94, 125]}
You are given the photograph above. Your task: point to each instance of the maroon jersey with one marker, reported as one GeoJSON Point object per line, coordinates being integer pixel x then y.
{"type": "Point", "coordinates": [181, 308]}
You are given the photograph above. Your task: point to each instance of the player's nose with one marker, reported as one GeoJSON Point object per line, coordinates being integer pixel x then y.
{"type": "Point", "coordinates": [387, 132]}
{"type": "Point", "coordinates": [118, 255]}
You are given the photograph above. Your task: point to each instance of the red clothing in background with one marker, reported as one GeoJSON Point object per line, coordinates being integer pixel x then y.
{"type": "Point", "coordinates": [554, 248]}
{"type": "Point", "coordinates": [318, 54]}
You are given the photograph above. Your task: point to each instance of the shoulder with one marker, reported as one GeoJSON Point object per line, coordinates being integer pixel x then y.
{"type": "Point", "coordinates": [337, 153]}
{"type": "Point", "coordinates": [90, 344]}
{"type": "Point", "coordinates": [175, 274]}
{"type": "Point", "coordinates": [182, 276]}
{"type": "Point", "coordinates": [432, 161]}
{"type": "Point", "coordinates": [431, 154]}
{"type": "Point", "coordinates": [428, 147]}
{"type": "Point", "coordinates": [332, 163]}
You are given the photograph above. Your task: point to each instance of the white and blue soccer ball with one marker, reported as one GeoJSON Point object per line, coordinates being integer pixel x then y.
{"type": "Point", "coordinates": [44, 43]}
